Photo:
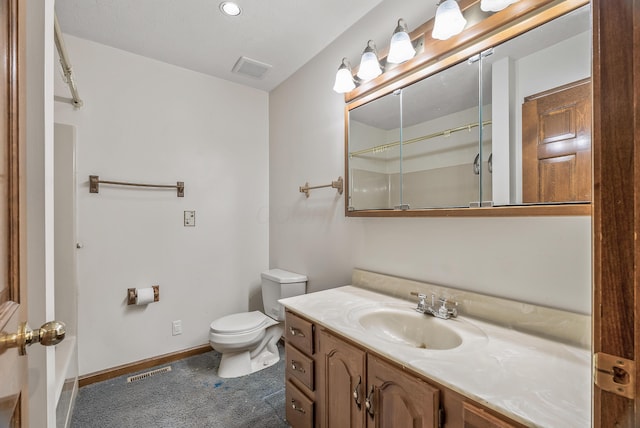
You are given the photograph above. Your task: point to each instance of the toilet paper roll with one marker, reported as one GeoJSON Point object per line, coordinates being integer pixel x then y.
{"type": "Point", "coordinates": [144, 296]}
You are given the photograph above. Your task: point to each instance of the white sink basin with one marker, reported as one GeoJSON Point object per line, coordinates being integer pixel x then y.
{"type": "Point", "coordinates": [407, 328]}
{"type": "Point", "coordinates": [402, 325]}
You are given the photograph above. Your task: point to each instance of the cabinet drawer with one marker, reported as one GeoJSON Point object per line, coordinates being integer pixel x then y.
{"type": "Point", "coordinates": [299, 366]}
{"type": "Point", "coordinates": [299, 408]}
{"type": "Point", "coordinates": [299, 332]}
{"type": "Point", "coordinates": [475, 417]}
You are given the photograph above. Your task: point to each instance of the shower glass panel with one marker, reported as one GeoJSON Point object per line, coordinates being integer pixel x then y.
{"type": "Point", "coordinates": [375, 147]}
{"type": "Point", "coordinates": [66, 287]}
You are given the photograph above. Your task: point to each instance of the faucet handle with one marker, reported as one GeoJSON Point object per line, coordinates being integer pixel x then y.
{"type": "Point", "coordinates": [443, 301]}
{"type": "Point", "coordinates": [420, 296]}
{"type": "Point", "coordinates": [422, 304]}
{"type": "Point", "coordinates": [445, 310]}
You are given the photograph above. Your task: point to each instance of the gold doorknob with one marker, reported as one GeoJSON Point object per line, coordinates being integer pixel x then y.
{"type": "Point", "coordinates": [49, 334]}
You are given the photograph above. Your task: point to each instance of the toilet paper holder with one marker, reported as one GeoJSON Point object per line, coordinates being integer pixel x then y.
{"type": "Point", "coordinates": [132, 294]}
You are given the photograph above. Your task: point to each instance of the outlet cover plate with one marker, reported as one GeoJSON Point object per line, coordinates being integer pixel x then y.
{"type": "Point", "coordinates": [189, 218]}
{"type": "Point", "coordinates": [176, 327]}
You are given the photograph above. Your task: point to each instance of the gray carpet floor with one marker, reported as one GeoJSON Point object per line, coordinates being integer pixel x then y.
{"type": "Point", "coordinates": [190, 395]}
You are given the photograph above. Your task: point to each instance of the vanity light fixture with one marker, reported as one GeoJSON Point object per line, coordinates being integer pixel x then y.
{"type": "Point", "coordinates": [449, 20]}
{"type": "Point", "coordinates": [369, 63]}
{"type": "Point", "coordinates": [344, 78]}
{"type": "Point", "coordinates": [230, 8]}
{"type": "Point", "coordinates": [400, 49]}
{"type": "Point", "coordinates": [495, 5]}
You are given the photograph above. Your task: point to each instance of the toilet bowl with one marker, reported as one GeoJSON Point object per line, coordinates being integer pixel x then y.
{"type": "Point", "coordinates": [248, 341]}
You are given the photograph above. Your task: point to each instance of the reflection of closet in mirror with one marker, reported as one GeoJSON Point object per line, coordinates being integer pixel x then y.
{"type": "Point", "coordinates": [539, 62]}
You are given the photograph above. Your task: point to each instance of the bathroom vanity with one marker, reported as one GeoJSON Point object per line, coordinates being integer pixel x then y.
{"type": "Point", "coordinates": [358, 357]}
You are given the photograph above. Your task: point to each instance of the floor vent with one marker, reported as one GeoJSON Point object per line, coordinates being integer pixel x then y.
{"type": "Point", "coordinates": [148, 374]}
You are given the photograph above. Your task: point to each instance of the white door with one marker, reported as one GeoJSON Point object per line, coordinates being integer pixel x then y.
{"type": "Point", "coordinates": [15, 335]}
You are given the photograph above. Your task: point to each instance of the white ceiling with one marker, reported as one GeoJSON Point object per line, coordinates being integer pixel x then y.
{"type": "Point", "coordinates": [194, 34]}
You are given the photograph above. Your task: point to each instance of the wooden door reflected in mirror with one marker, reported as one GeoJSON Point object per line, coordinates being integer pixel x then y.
{"type": "Point", "coordinates": [556, 145]}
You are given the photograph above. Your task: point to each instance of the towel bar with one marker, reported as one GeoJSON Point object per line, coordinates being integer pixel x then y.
{"type": "Point", "coordinates": [338, 184]}
{"type": "Point", "coordinates": [94, 185]}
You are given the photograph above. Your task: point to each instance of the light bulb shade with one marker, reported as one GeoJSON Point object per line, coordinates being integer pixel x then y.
{"type": "Point", "coordinates": [449, 20]}
{"type": "Point", "coordinates": [400, 48]}
{"type": "Point", "coordinates": [344, 79]}
{"type": "Point", "coordinates": [369, 64]}
{"type": "Point", "coordinates": [495, 5]}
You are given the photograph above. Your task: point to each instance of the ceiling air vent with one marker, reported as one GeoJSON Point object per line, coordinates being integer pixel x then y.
{"type": "Point", "coordinates": [251, 67]}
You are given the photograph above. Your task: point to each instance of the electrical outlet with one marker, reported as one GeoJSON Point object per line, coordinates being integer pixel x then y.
{"type": "Point", "coordinates": [176, 327]}
{"type": "Point", "coordinates": [190, 218]}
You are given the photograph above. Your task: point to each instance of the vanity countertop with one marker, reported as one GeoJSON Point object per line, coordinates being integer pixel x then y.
{"type": "Point", "coordinates": [536, 381]}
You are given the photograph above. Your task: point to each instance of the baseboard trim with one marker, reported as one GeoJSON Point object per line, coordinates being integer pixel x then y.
{"type": "Point", "coordinates": [106, 374]}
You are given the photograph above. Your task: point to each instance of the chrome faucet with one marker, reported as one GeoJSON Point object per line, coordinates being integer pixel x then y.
{"type": "Point", "coordinates": [443, 311]}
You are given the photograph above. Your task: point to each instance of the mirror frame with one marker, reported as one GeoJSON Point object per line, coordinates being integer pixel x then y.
{"type": "Point", "coordinates": [438, 55]}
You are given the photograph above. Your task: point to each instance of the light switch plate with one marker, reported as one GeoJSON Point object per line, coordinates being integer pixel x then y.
{"type": "Point", "coordinates": [190, 218]}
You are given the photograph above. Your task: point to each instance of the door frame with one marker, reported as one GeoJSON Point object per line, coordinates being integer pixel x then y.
{"type": "Point", "coordinates": [616, 190]}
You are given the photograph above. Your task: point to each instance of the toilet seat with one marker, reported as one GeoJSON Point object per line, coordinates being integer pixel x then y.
{"type": "Point", "coordinates": [244, 322]}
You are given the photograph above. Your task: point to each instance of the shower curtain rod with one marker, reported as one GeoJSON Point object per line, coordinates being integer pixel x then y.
{"type": "Point", "coordinates": [66, 65]}
{"type": "Point", "coordinates": [383, 147]}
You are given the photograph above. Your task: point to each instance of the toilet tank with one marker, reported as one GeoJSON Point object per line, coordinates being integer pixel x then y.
{"type": "Point", "coordinates": [279, 284]}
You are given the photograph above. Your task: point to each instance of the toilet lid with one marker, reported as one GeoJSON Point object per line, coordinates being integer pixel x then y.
{"type": "Point", "coordinates": [236, 323]}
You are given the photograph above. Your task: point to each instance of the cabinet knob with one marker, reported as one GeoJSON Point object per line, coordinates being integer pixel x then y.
{"type": "Point", "coordinates": [368, 403]}
{"type": "Point", "coordinates": [296, 366]}
{"type": "Point", "coordinates": [295, 332]}
{"type": "Point", "coordinates": [356, 393]}
{"type": "Point", "coordinates": [296, 408]}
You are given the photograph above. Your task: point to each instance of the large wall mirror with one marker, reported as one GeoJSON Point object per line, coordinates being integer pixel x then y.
{"type": "Point", "coordinates": [509, 126]}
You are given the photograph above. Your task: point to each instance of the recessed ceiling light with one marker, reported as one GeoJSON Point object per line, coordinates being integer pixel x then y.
{"type": "Point", "coordinates": [230, 8]}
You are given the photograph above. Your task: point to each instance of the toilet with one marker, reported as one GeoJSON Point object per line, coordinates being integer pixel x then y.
{"type": "Point", "coordinates": [248, 341]}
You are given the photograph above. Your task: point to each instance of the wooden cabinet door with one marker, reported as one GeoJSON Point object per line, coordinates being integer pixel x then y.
{"type": "Point", "coordinates": [341, 392]}
{"type": "Point", "coordinates": [556, 145]}
{"type": "Point", "coordinates": [398, 399]}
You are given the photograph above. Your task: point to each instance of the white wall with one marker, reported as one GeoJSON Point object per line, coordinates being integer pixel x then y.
{"type": "Point", "coordinates": [147, 121]}
{"type": "Point", "coordinates": [539, 260]}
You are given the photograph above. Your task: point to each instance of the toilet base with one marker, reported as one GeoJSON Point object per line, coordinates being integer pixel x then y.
{"type": "Point", "coordinates": [236, 364]}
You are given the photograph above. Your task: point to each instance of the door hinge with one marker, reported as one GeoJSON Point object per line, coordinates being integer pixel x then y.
{"type": "Point", "coordinates": [615, 374]}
